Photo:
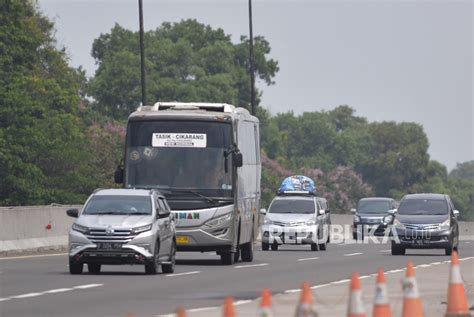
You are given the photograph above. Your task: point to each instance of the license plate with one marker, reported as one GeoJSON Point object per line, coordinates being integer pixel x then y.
{"type": "Point", "coordinates": [182, 239]}
{"type": "Point", "coordinates": [109, 246]}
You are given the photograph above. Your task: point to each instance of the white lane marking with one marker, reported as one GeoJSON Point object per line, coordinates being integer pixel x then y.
{"type": "Point", "coordinates": [307, 259]}
{"type": "Point", "coordinates": [394, 271]}
{"type": "Point", "coordinates": [340, 281]}
{"type": "Point", "coordinates": [58, 290]}
{"type": "Point", "coordinates": [31, 256]}
{"type": "Point", "coordinates": [468, 258]}
{"type": "Point", "coordinates": [436, 263]}
{"type": "Point", "coordinates": [197, 310]}
{"type": "Point", "coordinates": [365, 276]}
{"type": "Point", "coordinates": [251, 265]}
{"type": "Point", "coordinates": [242, 302]}
{"type": "Point", "coordinates": [185, 273]}
{"type": "Point", "coordinates": [27, 295]}
{"type": "Point", "coordinates": [352, 254]}
{"type": "Point", "coordinates": [385, 250]}
{"type": "Point", "coordinates": [290, 291]}
{"type": "Point", "coordinates": [320, 286]}
{"type": "Point", "coordinates": [423, 265]}
{"type": "Point", "coordinates": [51, 291]}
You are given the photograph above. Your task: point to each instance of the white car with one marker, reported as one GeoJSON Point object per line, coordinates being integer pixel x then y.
{"type": "Point", "coordinates": [296, 218]}
{"type": "Point", "coordinates": [123, 226]}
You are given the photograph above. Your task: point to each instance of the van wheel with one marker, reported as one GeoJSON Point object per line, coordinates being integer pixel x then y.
{"type": "Point", "coordinates": [227, 258]}
{"type": "Point", "coordinates": [397, 250]}
{"type": "Point", "coordinates": [314, 247]}
{"type": "Point", "coordinates": [151, 268]}
{"type": "Point", "coordinates": [247, 251]}
{"type": "Point", "coordinates": [265, 246]}
{"type": "Point", "coordinates": [274, 247]}
{"type": "Point", "coordinates": [93, 268]}
{"type": "Point", "coordinates": [75, 267]}
{"type": "Point", "coordinates": [169, 268]}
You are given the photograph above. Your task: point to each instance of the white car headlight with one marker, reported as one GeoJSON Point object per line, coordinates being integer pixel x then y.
{"type": "Point", "coordinates": [445, 225]}
{"type": "Point", "coordinates": [216, 222]}
{"type": "Point", "coordinates": [311, 222]}
{"type": "Point", "coordinates": [267, 221]}
{"type": "Point", "coordinates": [141, 229]}
{"type": "Point", "coordinates": [356, 219]}
{"type": "Point", "coordinates": [80, 228]}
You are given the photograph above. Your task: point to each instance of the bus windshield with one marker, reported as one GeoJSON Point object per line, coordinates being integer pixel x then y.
{"type": "Point", "coordinates": [180, 156]}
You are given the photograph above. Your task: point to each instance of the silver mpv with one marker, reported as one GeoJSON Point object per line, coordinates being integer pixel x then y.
{"type": "Point", "coordinates": [123, 226]}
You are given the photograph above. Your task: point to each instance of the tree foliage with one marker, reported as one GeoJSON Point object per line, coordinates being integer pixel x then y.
{"type": "Point", "coordinates": [185, 61]}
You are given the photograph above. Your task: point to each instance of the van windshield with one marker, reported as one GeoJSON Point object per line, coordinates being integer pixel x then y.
{"type": "Point", "coordinates": [118, 205]}
{"type": "Point", "coordinates": [292, 206]}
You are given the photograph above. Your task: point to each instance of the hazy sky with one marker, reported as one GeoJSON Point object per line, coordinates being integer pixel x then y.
{"type": "Point", "coordinates": [390, 60]}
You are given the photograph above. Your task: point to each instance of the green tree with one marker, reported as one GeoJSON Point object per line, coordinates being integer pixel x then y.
{"type": "Point", "coordinates": [42, 143]}
{"type": "Point", "coordinates": [185, 61]}
{"type": "Point", "coordinates": [463, 170]}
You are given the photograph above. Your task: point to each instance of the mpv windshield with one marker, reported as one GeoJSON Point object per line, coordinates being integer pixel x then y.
{"type": "Point", "coordinates": [373, 207]}
{"type": "Point", "coordinates": [118, 205]}
{"type": "Point", "coordinates": [423, 207]}
{"type": "Point", "coordinates": [292, 206]}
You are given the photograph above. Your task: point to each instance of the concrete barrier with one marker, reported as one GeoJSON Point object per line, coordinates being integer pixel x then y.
{"type": "Point", "coordinates": [34, 228]}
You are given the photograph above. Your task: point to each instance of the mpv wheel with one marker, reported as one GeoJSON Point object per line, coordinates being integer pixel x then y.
{"type": "Point", "coordinates": [93, 268]}
{"type": "Point", "coordinates": [274, 247]}
{"type": "Point", "coordinates": [169, 268]}
{"type": "Point", "coordinates": [75, 267]}
{"type": "Point", "coordinates": [227, 258]}
{"type": "Point", "coordinates": [152, 266]}
{"type": "Point", "coordinates": [265, 246]}
{"type": "Point", "coordinates": [314, 247]}
{"type": "Point", "coordinates": [397, 250]}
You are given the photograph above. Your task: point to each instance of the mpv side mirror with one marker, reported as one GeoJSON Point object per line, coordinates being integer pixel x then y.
{"type": "Point", "coordinates": [162, 213]}
{"type": "Point", "coordinates": [237, 158]}
{"type": "Point", "coordinates": [353, 210]}
{"type": "Point", "coordinates": [263, 211]}
{"type": "Point", "coordinates": [456, 213]}
{"type": "Point", "coordinates": [118, 175]}
{"type": "Point", "coordinates": [392, 212]}
{"type": "Point", "coordinates": [73, 212]}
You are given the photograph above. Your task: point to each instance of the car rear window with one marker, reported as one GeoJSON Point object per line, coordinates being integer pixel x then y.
{"type": "Point", "coordinates": [118, 205]}
{"type": "Point", "coordinates": [292, 206]}
{"type": "Point", "coordinates": [423, 207]}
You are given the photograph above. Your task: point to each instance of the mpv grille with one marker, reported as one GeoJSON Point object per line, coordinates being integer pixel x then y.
{"type": "Point", "coordinates": [106, 235]}
{"type": "Point", "coordinates": [422, 226]}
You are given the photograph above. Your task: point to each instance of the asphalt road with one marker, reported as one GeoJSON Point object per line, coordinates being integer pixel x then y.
{"type": "Point", "coordinates": [42, 286]}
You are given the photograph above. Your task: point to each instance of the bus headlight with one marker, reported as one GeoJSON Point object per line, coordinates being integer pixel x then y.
{"type": "Point", "coordinates": [219, 221]}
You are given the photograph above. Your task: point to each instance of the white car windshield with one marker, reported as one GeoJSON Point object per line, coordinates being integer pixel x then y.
{"type": "Point", "coordinates": [292, 206]}
{"type": "Point", "coordinates": [118, 205]}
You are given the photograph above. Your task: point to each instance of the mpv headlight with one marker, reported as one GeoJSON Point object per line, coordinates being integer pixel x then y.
{"type": "Point", "coordinates": [267, 221]}
{"type": "Point", "coordinates": [356, 219]}
{"type": "Point", "coordinates": [445, 225]}
{"type": "Point", "coordinates": [80, 228]}
{"type": "Point", "coordinates": [311, 222]}
{"type": "Point", "coordinates": [216, 222]}
{"type": "Point", "coordinates": [398, 224]}
{"type": "Point", "coordinates": [141, 229]}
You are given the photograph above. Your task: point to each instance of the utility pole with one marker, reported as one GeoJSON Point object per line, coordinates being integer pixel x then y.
{"type": "Point", "coordinates": [142, 53]}
{"type": "Point", "coordinates": [251, 62]}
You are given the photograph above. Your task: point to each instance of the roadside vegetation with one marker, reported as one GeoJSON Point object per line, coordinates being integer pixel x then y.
{"type": "Point", "coordinates": [61, 133]}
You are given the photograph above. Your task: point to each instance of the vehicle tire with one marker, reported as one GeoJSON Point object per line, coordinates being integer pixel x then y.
{"type": "Point", "coordinates": [93, 268]}
{"type": "Point", "coordinates": [274, 247]}
{"type": "Point", "coordinates": [151, 268]}
{"type": "Point", "coordinates": [169, 268]}
{"type": "Point", "coordinates": [246, 251]}
{"type": "Point", "coordinates": [323, 246]}
{"type": "Point", "coordinates": [397, 250]}
{"type": "Point", "coordinates": [314, 247]}
{"type": "Point", "coordinates": [75, 267]}
{"type": "Point", "coordinates": [265, 246]}
{"type": "Point", "coordinates": [227, 258]}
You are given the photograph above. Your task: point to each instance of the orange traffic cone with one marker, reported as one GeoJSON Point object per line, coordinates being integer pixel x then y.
{"type": "Point", "coordinates": [180, 312]}
{"type": "Point", "coordinates": [381, 301]}
{"type": "Point", "coordinates": [457, 302]}
{"type": "Point", "coordinates": [305, 307]}
{"type": "Point", "coordinates": [412, 306]}
{"type": "Point", "coordinates": [228, 309]}
{"type": "Point", "coordinates": [265, 309]}
{"type": "Point", "coordinates": [356, 306]}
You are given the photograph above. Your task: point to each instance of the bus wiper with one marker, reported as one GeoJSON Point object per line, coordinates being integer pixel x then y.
{"type": "Point", "coordinates": [212, 201]}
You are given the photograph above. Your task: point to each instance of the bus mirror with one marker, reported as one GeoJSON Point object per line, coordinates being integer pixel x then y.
{"type": "Point", "coordinates": [237, 159]}
{"type": "Point", "coordinates": [118, 175]}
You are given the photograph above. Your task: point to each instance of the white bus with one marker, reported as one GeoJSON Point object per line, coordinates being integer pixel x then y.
{"type": "Point", "coordinates": [205, 158]}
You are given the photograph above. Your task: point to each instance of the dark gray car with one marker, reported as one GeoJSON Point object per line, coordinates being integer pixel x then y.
{"type": "Point", "coordinates": [425, 221]}
{"type": "Point", "coordinates": [369, 215]}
